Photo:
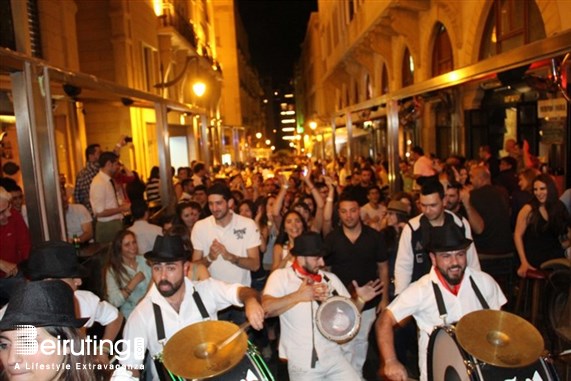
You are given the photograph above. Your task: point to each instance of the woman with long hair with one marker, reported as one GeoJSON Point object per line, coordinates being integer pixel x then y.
{"type": "Point", "coordinates": [187, 213]}
{"type": "Point", "coordinates": [541, 231]}
{"type": "Point", "coordinates": [292, 226]}
{"type": "Point", "coordinates": [126, 275]}
{"type": "Point", "coordinates": [48, 308]}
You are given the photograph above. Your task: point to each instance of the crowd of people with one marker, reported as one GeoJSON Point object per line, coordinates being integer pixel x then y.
{"type": "Point", "coordinates": [269, 243]}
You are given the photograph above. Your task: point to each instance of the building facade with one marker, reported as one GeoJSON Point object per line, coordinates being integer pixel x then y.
{"type": "Point", "coordinates": [381, 77]}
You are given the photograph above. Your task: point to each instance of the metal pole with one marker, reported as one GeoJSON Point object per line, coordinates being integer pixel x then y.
{"type": "Point", "coordinates": [392, 145]}
{"type": "Point", "coordinates": [36, 143]}
{"type": "Point", "coordinates": [349, 125]}
{"type": "Point", "coordinates": [204, 139]}
{"type": "Point", "coordinates": [165, 173]}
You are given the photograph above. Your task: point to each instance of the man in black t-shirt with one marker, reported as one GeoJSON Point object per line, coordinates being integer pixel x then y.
{"type": "Point", "coordinates": [354, 252]}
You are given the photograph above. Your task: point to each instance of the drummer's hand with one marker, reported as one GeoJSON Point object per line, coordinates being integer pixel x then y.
{"type": "Point", "coordinates": [395, 371]}
{"type": "Point", "coordinates": [320, 291]}
{"type": "Point", "coordinates": [305, 291]}
{"type": "Point", "coordinates": [370, 290]}
{"type": "Point", "coordinates": [254, 313]}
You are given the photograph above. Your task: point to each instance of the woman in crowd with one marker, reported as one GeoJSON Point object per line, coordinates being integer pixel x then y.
{"type": "Point", "coordinates": [126, 274]}
{"type": "Point", "coordinates": [293, 225]}
{"type": "Point", "coordinates": [187, 213]}
{"type": "Point", "coordinates": [397, 216]}
{"type": "Point", "coordinates": [524, 194]}
{"type": "Point", "coordinates": [541, 231]}
{"type": "Point", "coordinates": [48, 306]}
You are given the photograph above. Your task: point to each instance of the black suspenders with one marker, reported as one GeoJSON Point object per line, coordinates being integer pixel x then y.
{"type": "Point", "coordinates": [160, 326]}
{"type": "Point", "coordinates": [440, 300]}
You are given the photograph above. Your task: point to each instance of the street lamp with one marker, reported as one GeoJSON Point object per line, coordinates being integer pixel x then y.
{"type": "Point", "coordinates": [199, 88]}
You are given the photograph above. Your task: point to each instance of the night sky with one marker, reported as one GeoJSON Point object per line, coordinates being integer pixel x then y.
{"type": "Point", "coordinates": [275, 30]}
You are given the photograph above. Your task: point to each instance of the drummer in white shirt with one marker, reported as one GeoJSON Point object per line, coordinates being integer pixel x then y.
{"type": "Point", "coordinates": [294, 293]}
{"type": "Point", "coordinates": [458, 286]}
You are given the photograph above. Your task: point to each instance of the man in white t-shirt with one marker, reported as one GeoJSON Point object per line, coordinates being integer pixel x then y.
{"type": "Point", "coordinates": [374, 212]}
{"type": "Point", "coordinates": [423, 168]}
{"type": "Point", "coordinates": [227, 243]}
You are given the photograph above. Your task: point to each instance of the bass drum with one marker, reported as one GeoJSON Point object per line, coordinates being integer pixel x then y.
{"type": "Point", "coordinates": [251, 368]}
{"type": "Point", "coordinates": [447, 361]}
{"type": "Point", "coordinates": [338, 319]}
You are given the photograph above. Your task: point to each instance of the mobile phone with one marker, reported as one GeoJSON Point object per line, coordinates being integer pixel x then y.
{"type": "Point", "coordinates": [128, 139]}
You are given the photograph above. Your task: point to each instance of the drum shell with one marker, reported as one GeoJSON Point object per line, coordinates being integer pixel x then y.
{"type": "Point", "coordinates": [338, 319]}
{"type": "Point", "coordinates": [447, 361]}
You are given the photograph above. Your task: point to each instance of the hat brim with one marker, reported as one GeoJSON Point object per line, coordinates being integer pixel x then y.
{"type": "Point", "coordinates": [40, 320]}
{"type": "Point", "coordinates": [154, 256]}
{"type": "Point", "coordinates": [443, 249]}
{"type": "Point", "coordinates": [319, 253]}
{"type": "Point", "coordinates": [80, 272]}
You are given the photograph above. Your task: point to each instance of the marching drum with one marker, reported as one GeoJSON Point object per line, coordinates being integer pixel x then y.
{"type": "Point", "coordinates": [202, 351]}
{"type": "Point", "coordinates": [338, 319]}
{"type": "Point", "coordinates": [251, 368]}
{"type": "Point", "coordinates": [499, 354]}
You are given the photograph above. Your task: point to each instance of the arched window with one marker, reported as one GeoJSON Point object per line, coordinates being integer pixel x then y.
{"type": "Point", "coordinates": [511, 24]}
{"type": "Point", "coordinates": [442, 58]}
{"type": "Point", "coordinates": [407, 69]}
{"type": "Point", "coordinates": [384, 80]}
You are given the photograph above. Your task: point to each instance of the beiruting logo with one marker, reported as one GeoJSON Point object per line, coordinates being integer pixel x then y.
{"type": "Point", "coordinates": [27, 344]}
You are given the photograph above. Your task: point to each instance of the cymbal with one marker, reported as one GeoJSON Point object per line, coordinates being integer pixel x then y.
{"type": "Point", "coordinates": [184, 354]}
{"type": "Point", "coordinates": [499, 338]}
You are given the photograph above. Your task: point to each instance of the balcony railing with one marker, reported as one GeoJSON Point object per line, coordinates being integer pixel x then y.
{"type": "Point", "coordinates": [172, 18]}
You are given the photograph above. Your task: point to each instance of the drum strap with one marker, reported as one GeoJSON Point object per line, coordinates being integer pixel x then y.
{"type": "Point", "coordinates": [200, 305]}
{"type": "Point", "coordinates": [479, 294]}
{"type": "Point", "coordinates": [160, 326]}
{"type": "Point", "coordinates": [440, 300]}
{"type": "Point", "coordinates": [334, 292]}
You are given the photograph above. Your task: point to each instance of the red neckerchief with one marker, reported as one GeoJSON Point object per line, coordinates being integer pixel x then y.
{"type": "Point", "coordinates": [454, 289]}
{"type": "Point", "coordinates": [304, 273]}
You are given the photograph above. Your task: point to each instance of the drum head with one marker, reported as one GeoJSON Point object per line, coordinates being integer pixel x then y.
{"type": "Point", "coordinates": [445, 360]}
{"type": "Point", "coordinates": [338, 319]}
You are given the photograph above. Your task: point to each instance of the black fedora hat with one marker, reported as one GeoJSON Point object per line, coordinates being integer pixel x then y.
{"type": "Point", "coordinates": [41, 303]}
{"type": "Point", "coordinates": [53, 259]}
{"type": "Point", "coordinates": [308, 244]}
{"type": "Point", "coordinates": [448, 237]}
{"type": "Point", "coordinates": [168, 249]}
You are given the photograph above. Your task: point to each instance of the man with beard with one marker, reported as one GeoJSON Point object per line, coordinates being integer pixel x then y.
{"type": "Point", "coordinates": [462, 289]}
{"type": "Point", "coordinates": [293, 293]}
{"type": "Point", "coordinates": [175, 300]}
{"type": "Point", "coordinates": [355, 253]}
{"type": "Point", "coordinates": [453, 202]}
{"type": "Point", "coordinates": [107, 209]}
{"type": "Point", "coordinates": [412, 257]}
{"type": "Point", "coordinates": [227, 243]}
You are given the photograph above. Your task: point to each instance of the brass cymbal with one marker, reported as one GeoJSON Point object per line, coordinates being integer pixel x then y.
{"type": "Point", "coordinates": [499, 338]}
{"type": "Point", "coordinates": [184, 353]}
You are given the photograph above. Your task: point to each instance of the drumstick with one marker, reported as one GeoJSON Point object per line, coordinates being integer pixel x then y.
{"type": "Point", "coordinates": [243, 326]}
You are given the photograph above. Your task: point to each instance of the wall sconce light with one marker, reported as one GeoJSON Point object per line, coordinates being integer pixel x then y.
{"type": "Point", "coordinates": [199, 88]}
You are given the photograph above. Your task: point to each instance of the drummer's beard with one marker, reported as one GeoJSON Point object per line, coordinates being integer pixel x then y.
{"type": "Point", "coordinates": [452, 280]}
{"type": "Point", "coordinates": [172, 290]}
